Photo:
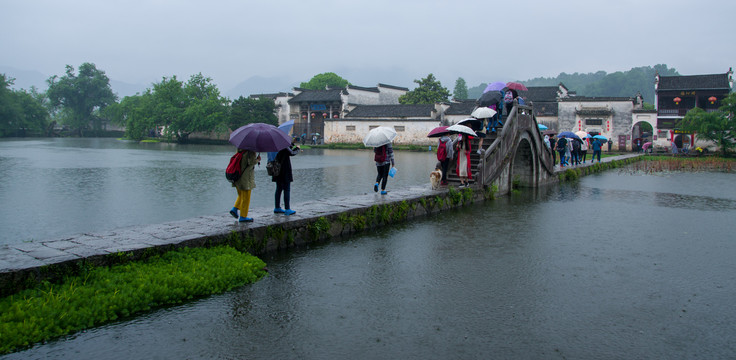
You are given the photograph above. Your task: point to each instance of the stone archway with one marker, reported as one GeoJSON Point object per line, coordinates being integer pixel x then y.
{"type": "Point", "coordinates": [524, 171]}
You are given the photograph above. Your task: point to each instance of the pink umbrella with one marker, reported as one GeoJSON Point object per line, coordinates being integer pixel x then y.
{"type": "Point", "coordinates": [516, 86]}
{"type": "Point", "coordinates": [438, 131]}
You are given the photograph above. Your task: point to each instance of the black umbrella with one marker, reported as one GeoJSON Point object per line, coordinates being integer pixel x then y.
{"type": "Point", "coordinates": [490, 98]}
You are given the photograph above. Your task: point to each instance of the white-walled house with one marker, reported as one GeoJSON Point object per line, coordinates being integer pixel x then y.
{"type": "Point", "coordinates": [411, 122]}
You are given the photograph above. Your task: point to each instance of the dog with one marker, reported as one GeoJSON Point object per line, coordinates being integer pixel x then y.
{"type": "Point", "coordinates": [434, 178]}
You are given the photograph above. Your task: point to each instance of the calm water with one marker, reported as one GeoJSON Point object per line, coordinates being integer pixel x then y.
{"type": "Point", "coordinates": [50, 188]}
{"type": "Point", "coordinates": [617, 266]}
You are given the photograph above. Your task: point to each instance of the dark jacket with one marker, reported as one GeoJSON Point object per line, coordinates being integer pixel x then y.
{"type": "Point", "coordinates": [284, 158]}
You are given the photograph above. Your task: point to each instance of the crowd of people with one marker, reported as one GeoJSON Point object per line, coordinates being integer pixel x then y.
{"type": "Point", "coordinates": [573, 151]}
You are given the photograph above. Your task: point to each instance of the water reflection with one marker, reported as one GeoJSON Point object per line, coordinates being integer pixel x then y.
{"type": "Point", "coordinates": [52, 188]}
{"type": "Point", "coordinates": [595, 269]}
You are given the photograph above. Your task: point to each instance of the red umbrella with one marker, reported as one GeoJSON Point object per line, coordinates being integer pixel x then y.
{"type": "Point", "coordinates": [516, 86]}
{"type": "Point", "coordinates": [438, 131]}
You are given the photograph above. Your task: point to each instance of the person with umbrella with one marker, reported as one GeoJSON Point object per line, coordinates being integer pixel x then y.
{"type": "Point", "coordinates": [463, 150]}
{"type": "Point", "coordinates": [284, 178]}
{"type": "Point", "coordinates": [245, 184]}
{"type": "Point", "coordinates": [383, 154]}
{"type": "Point", "coordinates": [597, 145]}
{"type": "Point", "coordinates": [561, 148]}
{"type": "Point", "coordinates": [251, 139]}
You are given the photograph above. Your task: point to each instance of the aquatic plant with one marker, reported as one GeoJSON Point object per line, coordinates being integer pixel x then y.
{"type": "Point", "coordinates": [318, 228]}
{"type": "Point", "coordinates": [105, 294]}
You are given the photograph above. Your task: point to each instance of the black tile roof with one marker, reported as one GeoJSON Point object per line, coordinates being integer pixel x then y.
{"type": "Point", "coordinates": [592, 99]}
{"type": "Point", "coordinates": [694, 82]}
{"type": "Point", "coordinates": [371, 89]}
{"type": "Point", "coordinates": [540, 93]}
{"type": "Point", "coordinates": [465, 107]}
{"type": "Point", "coordinates": [318, 96]}
{"type": "Point", "coordinates": [393, 87]}
{"type": "Point", "coordinates": [270, 96]}
{"type": "Point", "coordinates": [391, 111]}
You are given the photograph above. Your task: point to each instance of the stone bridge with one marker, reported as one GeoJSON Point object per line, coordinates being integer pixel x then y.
{"type": "Point", "coordinates": [514, 156]}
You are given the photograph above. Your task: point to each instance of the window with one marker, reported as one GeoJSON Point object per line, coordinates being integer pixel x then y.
{"type": "Point", "coordinates": [349, 127]}
{"type": "Point", "coordinates": [399, 128]}
{"type": "Point", "coordinates": [371, 127]}
{"type": "Point", "coordinates": [593, 121]}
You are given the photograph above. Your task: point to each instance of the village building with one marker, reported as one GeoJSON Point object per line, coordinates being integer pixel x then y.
{"type": "Point", "coordinates": [676, 95]}
{"type": "Point", "coordinates": [310, 108]}
{"type": "Point", "coordinates": [411, 122]}
{"type": "Point", "coordinates": [545, 99]}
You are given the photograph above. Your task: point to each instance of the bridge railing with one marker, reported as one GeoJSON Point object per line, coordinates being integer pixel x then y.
{"type": "Point", "coordinates": [497, 157]}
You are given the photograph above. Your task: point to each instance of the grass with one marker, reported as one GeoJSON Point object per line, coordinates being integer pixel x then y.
{"type": "Point", "coordinates": [103, 294]}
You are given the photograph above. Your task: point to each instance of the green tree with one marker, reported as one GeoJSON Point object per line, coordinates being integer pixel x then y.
{"type": "Point", "coordinates": [249, 110]}
{"type": "Point", "coordinates": [187, 108]}
{"type": "Point", "coordinates": [81, 96]}
{"type": "Point", "coordinates": [322, 81]}
{"type": "Point", "coordinates": [20, 110]}
{"type": "Point", "coordinates": [718, 126]}
{"type": "Point", "coordinates": [461, 89]}
{"type": "Point", "coordinates": [135, 113]}
{"type": "Point", "coordinates": [429, 91]}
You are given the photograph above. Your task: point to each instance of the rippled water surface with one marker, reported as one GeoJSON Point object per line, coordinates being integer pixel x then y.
{"type": "Point", "coordinates": [50, 188]}
{"type": "Point", "coordinates": [616, 266]}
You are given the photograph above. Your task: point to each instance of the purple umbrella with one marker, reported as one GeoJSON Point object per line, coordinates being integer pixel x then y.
{"type": "Point", "coordinates": [497, 86]}
{"type": "Point", "coordinates": [260, 137]}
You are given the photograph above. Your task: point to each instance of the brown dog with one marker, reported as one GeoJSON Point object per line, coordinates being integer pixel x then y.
{"type": "Point", "coordinates": [434, 178]}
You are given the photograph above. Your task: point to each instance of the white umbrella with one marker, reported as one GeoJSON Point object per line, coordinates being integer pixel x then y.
{"type": "Point", "coordinates": [379, 136]}
{"type": "Point", "coordinates": [483, 113]}
{"type": "Point", "coordinates": [457, 128]}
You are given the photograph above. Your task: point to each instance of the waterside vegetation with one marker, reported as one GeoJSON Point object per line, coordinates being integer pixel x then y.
{"type": "Point", "coordinates": [100, 294]}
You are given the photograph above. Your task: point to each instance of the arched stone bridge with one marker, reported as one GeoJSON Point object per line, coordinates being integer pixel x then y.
{"type": "Point", "coordinates": [515, 156]}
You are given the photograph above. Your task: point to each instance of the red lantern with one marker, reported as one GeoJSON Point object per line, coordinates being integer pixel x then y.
{"type": "Point", "coordinates": [304, 116]}
{"type": "Point", "coordinates": [313, 114]}
{"type": "Point", "coordinates": [677, 100]}
{"type": "Point", "coordinates": [324, 115]}
{"type": "Point", "coordinates": [334, 116]}
{"type": "Point", "coordinates": [712, 99]}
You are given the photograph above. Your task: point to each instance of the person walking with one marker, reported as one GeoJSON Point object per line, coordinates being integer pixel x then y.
{"type": "Point", "coordinates": [568, 153]}
{"type": "Point", "coordinates": [584, 149]}
{"type": "Point", "coordinates": [553, 147]}
{"type": "Point", "coordinates": [384, 158]}
{"type": "Point", "coordinates": [445, 152]}
{"type": "Point", "coordinates": [463, 150]}
{"type": "Point", "coordinates": [561, 149]}
{"type": "Point", "coordinates": [245, 184]}
{"type": "Point", "coordinates": [576, 145]}
{"type": "Point", "coordinates": [284, 179]}
{"type": "Point", "coordinates": [597, 145]}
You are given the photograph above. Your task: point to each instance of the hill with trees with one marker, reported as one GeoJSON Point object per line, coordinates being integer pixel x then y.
{"type": "Point", "coordinates": [600, 83]}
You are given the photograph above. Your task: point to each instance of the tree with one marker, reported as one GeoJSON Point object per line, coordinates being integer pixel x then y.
{"type": "Point", "coordinates": [461, 89]}
{"type": "Point", "coordinates": [248, 110]}
{"type": "Point", "coordinates": [187, 108]}
{"type": "Point", "coordinates": [20, 110]}
{"type": "Point", "coordinates": [322, 81]}
{"type": "Point", "coordinates": [81, 96]}
{"type": "Point", "coordinates": [718, 126]}
{"type": "Point", "coordinates": [429, 91]}
{"type": "Point", "coordinates": [135, 114]}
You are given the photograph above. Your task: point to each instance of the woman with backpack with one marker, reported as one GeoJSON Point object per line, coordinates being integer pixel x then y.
{"type": "Point", "coordinates": [384, 158]}
{"type": "Point", "coordinates": [245, 184]}
{"type": "Point", "coordinates": [444, 155]}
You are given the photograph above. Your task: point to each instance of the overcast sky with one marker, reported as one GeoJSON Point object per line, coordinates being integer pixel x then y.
{"type": "Point", "coordinates": [374, 41]}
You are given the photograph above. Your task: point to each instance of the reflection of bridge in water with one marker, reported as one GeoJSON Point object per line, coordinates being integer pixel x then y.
{"type": "Point", "coordinates": [515, 154]}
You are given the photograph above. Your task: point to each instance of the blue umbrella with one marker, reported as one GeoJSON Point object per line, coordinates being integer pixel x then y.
{"type": "Point", "coordinates": [286, 127]}
{"type": "Point", "coordinates": [569, 134]}
{"type": "Point", "coordinates": [600, 137]}
{"type": "Point", "coordinates": [542, 127]}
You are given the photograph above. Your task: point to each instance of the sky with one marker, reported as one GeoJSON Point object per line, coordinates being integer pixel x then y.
{"type": "Point", "coordinates": [284, 42]}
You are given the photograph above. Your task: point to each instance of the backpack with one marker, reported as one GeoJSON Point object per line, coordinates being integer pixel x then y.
{"type": "Point", "coordinates": [233, 171]}
{"type": "Point", "coordinates": [442, 151]}
{"type": "Point", "coordinates": [576, 145]}
{"type": "Point", "coordinates": [273, 168]}
{"type": "Point", "coordinates": [508, 97]}
{"type": "Point", "coordinates": [561, 144]}
{"type": "Point", "coordinates": [380, 154]}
